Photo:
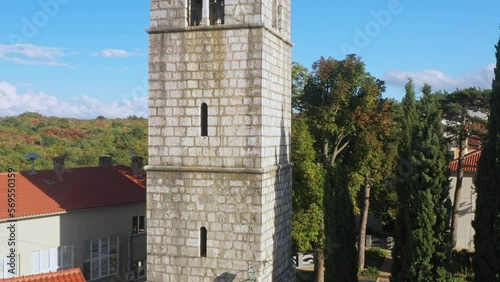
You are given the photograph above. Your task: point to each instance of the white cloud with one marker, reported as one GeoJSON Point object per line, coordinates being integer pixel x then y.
{"type": "Point", "coordinates": [14, 103]}
{"type": "Point", "coordinates": [115, 53]}
{"type": "Point", "coordinates": [29, 54]}
{"type": "Point", "coordinates": [439, 80]}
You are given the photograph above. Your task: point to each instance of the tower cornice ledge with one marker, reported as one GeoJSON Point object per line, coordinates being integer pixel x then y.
{"type": "Point", "coordinates": [246, 170]}
{"type": "Point", "coordinates": [162, 29]}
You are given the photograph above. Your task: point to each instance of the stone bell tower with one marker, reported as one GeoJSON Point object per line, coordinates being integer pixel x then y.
{"type": "Point", "coordinates": [219, 176]}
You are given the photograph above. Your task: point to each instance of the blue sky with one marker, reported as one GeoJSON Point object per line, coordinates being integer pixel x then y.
{"type": "Point", "coordinates": [76, 58]}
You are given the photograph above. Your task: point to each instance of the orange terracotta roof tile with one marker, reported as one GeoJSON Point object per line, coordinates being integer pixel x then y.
{"type": "Point", "coordinates": [474, 141]}
{"type": "Point", "coordinates": [470, 162]}
{"type": "Point", "coordinates": [69, 275]}
{"type": "Point", "coordinates": [73, 189]}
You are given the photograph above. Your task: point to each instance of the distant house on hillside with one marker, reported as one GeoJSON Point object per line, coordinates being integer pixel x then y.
{"type": "Point", "coordinates": [465, 234]}
{"type": "Point", "coordinates": [473, 143]}
{"type": "Point", "coordinates": [92, 218]}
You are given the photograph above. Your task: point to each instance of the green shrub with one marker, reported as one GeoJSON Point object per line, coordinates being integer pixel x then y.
{"type": "Point", "coordinates": [376, 252]}
{"type": "Point", "coordinates": [462, 262]}
{"type": "Point", "coordinates": [370, 271]}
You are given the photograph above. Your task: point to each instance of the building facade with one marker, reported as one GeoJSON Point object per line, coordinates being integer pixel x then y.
{"type": "Point", "coordinates": [467, 204]}
{"type": "Point", "coordinates": [91, 218]}
{"type": "Point", "coordinates": [219, 174]}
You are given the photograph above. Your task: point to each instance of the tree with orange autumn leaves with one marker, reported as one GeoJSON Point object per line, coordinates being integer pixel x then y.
{"type": "Point", "coordinates": [349, 121]}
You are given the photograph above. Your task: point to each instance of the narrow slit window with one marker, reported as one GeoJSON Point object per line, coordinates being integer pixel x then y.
{"type": "Point", "coordinates": [280, 11]}
{"type": "Point", "coordinates": [216, 11]}
{"type": "Point", "coordinates": [204, 119]}
{"type": "Point", "coordinates": [203, 242]}
{"type": "Point", "coordinates": [275, 13]}
{"type": "Point", "coordinates": [195, 11]}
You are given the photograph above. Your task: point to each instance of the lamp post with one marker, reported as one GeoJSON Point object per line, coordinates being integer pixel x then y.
{"type": "Point", "coordinates": [32, 157]}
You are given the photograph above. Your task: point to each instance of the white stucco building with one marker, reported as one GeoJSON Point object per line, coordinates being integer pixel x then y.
{"type": "Point", "coordinates": [467, 207]}
{"type": "Point", "coordinates": [92, 218]}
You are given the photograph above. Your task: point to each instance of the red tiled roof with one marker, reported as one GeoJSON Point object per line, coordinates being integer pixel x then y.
{"type": "Point", "coordinates": [470, 162]}
{"type": "Point", "coordinates": [69, 275]}
{"type": "Point", "coordinates": [74, 189]}
{"type": "Point", "coordinates": [474, 141]}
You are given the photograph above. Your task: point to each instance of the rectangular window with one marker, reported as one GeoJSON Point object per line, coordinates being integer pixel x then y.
{"type": "Point", "coordinates": [451, 155]}
{"type": "Point", "coordinates": [204, 119]}
{"type": "Point", "coordinates": [138, 224]}
{"type": "Point", "coordinates": [100, 257]}
{"type": "Point", "coordinates": [203, 242]}
{"type": "Point", "coordinates": [4, 268]}
{"type": "Point", "coordinates": [138, 267]}
{"type": "Point", "coordinates": [275, 13]}
{"type": "Point", "coordinates": [216, 8]}
{"type": "Point", "coordinates": [195, 10]}
{"type": "Point", "coordinates": [52, 259]}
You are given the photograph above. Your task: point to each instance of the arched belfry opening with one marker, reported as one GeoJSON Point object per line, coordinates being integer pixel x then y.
{"type": "Point", "coordinates": [216, 12]}
{"type": "Point", "coordinates": [195, 12]}
{"type": "Point", "coordinates": [199, 11]}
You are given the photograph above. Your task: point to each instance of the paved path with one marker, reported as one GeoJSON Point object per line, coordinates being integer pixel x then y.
{"type": "Point", "coordinates": [385, 271]}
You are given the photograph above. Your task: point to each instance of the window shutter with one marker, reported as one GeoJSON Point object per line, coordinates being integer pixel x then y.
{"type": "Point", "coordinates": [6, 273]}
{"type": "Point", "coordinates": [44, 260]}
{"type": "Point", "coordinates": [53, 259]}
{"type": "Point", "coordinates": [35, 262]}
{"type": "Point", "coordinates": [2, 275]}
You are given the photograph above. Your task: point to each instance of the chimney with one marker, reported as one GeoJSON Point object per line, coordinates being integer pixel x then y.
{"type": "Point", "coordinates": [58, 162]}
{"type": "Point", "coordinates": [137, 165]}
{"type": "Point", "coordinates": [105, 161]}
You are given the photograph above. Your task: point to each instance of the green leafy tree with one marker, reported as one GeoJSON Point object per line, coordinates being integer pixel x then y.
{"type": "Point", "coordinates": [384, 199]}
{"type": "Point", "coordinates": [81, 140]}
{"type": "Point", "coordinates": [369, 161]}
{"type": "Point", "coordinates": [328, 102]}
{"type": "Point", "coordinates": [300, 76]}
{"type": "Point", "coordinates": [486, 262]}
{"type": "Point", "coordinates": [307, 192]}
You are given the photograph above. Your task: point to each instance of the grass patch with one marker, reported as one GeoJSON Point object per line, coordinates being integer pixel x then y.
{"type": "Point", "coordinates": [370, 271]}
{"type": "Point", "coordinates": [374, 258]}
{"type": "Point", "coordinates": [306, 274]}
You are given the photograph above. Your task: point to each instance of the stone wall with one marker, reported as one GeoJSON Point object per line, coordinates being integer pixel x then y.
{"type": "Point", "coordinates": [247, 217]}
{"type": "Point", "coordinates": [236, 181]}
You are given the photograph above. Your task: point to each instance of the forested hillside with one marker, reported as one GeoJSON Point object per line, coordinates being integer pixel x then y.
{"type": "Point", "coordinates": [83, 141]}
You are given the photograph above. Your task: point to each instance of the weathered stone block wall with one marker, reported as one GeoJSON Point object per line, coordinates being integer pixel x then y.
{"type": "Point", "coordinates": [228, 205]}
{"type": "Point", "coordinates": [222, 68]}
{"type": "Point", "coordinates": [276, 224]}
{"type": "Point", "coordinates": [276, 101]}
{"type": "Point", "coordinates": [248, 98]}
{"type": "Point", "coordinates": [235, 182]}
{"type": "Point", "coordinates": [171, 13]}
{"type": "Point", "coordinates": [247, 217]}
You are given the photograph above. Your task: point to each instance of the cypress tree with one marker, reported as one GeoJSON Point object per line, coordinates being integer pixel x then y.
{"type": "Point", "coordinates": [341, 263]}
{"type": "Point", "coordinates": [435, 177]}
{"type": "Point", "coordinates": [403, 171]}
{"type": "Point", "coordinates": [486, 262]}
{"type": "Point", "coordinates": [422, 236]}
